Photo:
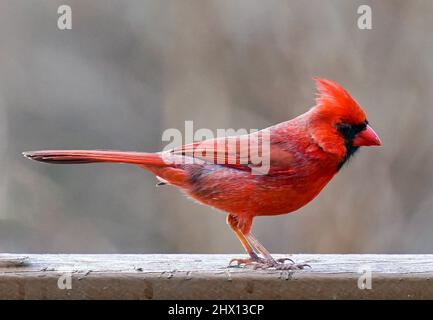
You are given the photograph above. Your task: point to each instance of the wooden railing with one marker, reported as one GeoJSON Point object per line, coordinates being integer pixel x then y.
{"type": "Point", "coordinates": [193, 276]}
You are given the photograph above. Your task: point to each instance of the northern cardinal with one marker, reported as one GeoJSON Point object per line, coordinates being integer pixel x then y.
{"type": "Point", "coordinates": [304, 154]}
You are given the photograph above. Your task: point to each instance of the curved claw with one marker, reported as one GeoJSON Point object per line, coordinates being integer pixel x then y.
{"type": "Point", "coordinates": [247, 261]}
{"type": "Point", "coordinates": [292, 266]}
{"type": "Point", "coordinates": [282, 260]}
{"type": "Point", "coordinates": [238, 261]}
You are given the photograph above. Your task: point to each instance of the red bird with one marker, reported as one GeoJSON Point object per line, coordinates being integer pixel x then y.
{"type": "Point", "coordinates": [303, 155]}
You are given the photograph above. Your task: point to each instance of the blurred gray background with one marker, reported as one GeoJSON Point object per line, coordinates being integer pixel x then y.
{"type": "Point", "coordinates": [128, 70]}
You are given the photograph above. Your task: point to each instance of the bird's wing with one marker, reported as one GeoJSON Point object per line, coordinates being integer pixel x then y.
{"type": "Point", "coordinates": [234, 151]}
{"type": "Point", "coordinates": [245, 152]}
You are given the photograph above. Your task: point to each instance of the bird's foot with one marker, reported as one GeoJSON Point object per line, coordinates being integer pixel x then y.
{"type": "Point", "coordinates": [279, 264]}
{"type": "Point", "coordinates": [264, 264]}
{"type": "Point", "coordinates": [246, 262]}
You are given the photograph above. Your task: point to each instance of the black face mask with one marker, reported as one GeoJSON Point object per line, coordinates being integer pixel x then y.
{"type": "Point", "coordinates": [349, 132]}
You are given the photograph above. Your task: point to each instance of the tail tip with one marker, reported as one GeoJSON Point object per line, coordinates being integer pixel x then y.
{"type": "Point", "coordinates": [27, 154]}
{"type": "Point", "coordinates": [31, 155]}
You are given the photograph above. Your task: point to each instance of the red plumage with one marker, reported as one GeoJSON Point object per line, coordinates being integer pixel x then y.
{"type": "Point", "coordinates": [304, 154]}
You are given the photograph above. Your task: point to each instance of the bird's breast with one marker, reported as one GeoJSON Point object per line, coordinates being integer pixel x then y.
{"type": "Point", "coordinates": [236, 191]}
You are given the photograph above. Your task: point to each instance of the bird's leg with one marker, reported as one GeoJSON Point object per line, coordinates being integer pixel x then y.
{"type": "Point", "coordinates": [261, 249]}
{"type": "Point", "coordinates": [270, 262]}
{"type": "Point", "coordinates": [252, 246]}
{"type": "Point", "coordinates": [232, 221]}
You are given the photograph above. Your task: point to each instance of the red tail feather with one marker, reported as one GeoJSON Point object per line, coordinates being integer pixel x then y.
{"type": "Point", "coordinates": [90, 156]}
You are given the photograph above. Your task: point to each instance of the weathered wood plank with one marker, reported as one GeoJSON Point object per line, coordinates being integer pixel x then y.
{"type": "Point", "coordinates": [195, 276]}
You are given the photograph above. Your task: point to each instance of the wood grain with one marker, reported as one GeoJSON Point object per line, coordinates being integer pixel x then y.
{"type": "Point", "coordinates": [194, 276]}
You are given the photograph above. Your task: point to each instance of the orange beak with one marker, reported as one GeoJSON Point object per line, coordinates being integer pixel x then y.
{"type": "Point", "coordinates": [367, 137]}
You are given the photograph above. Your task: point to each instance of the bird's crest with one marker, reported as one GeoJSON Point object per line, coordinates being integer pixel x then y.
{"type": "Point", "coordinates": [335, 102]}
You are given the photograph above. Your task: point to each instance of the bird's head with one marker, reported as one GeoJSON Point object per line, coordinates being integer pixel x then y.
{"type": "Point", "coordinates": [338, 123]}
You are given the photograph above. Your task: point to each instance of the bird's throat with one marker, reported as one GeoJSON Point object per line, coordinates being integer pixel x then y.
{"type": "Point", "coordinates": [350, 151]}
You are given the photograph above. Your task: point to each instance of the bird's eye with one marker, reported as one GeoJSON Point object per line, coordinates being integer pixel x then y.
{"type": "Point", "coordinates": [342, 127]}
{"type": "Point", "coordinates": [349, 131]}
